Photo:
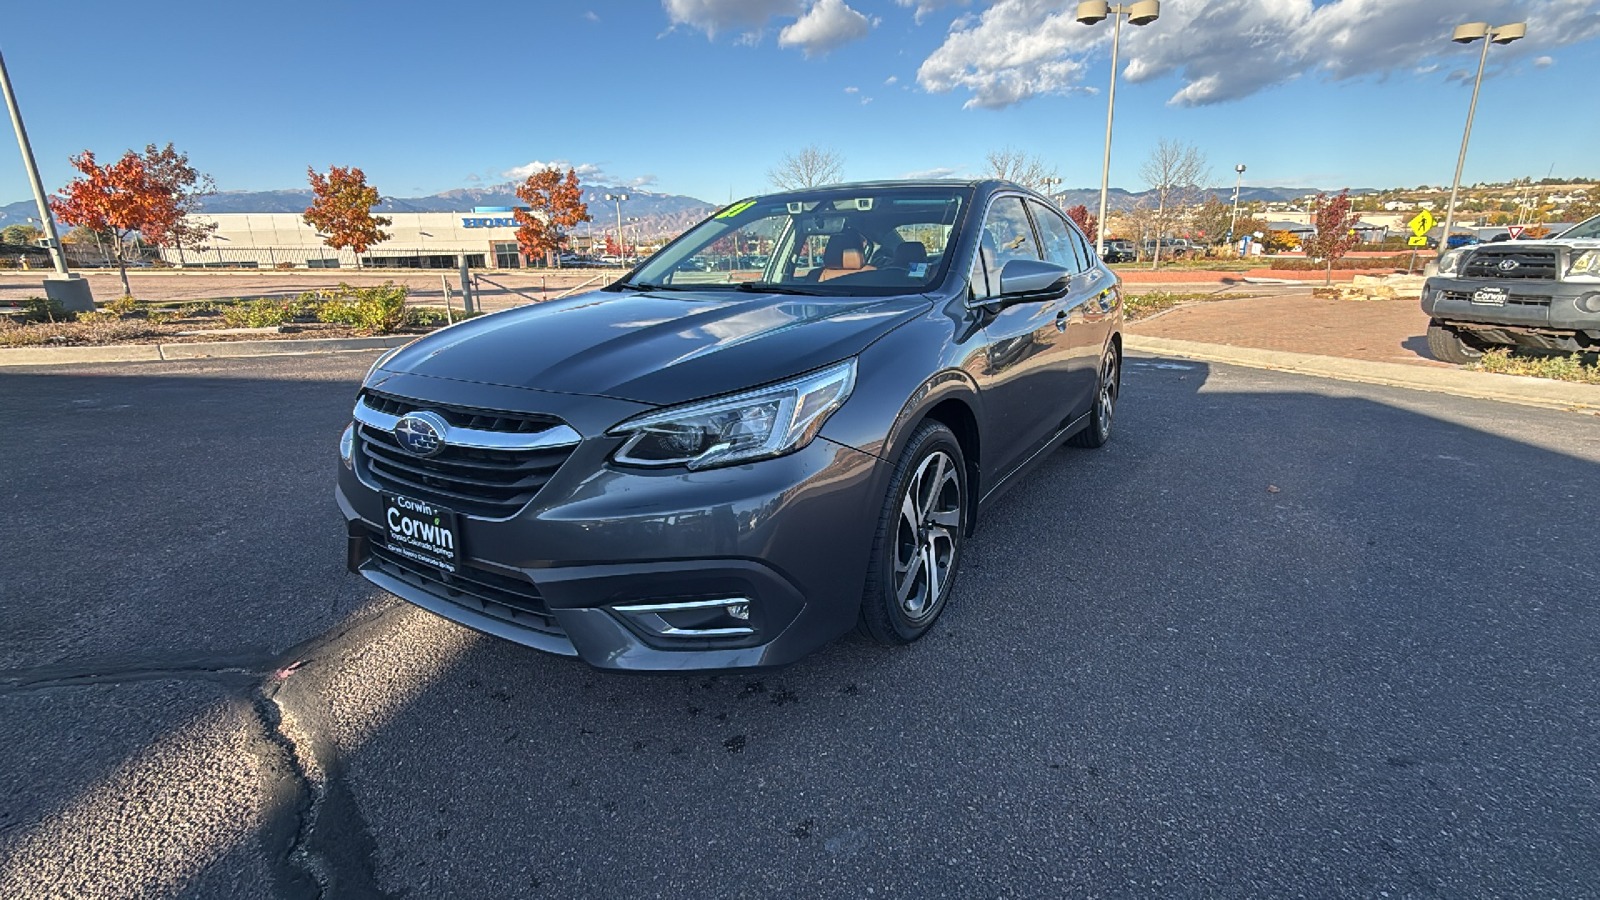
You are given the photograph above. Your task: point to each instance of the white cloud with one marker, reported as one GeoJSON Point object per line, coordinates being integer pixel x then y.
{"type": "Point", "coordinates": [940, 172]}
{"type": "Point", "coordinates": [852, 90]}
{"type": "Point", "coordinates": [1015, 50]}
{"type": "Point", "coordinates": [924, 7]}
{"type": "Point", "coordinates": [590, 15]}
{"type": "Point", "coordinates": [826, 26]}
{"type": "Point", "coordinates": [1544, 62]}
{"type": "Point", "coordinates": [715, 16]}
{"type": "Point", "coordinates": [588, 173]}
{"type": "Point", "coordinates": [1227, 49]}
{"type": "Point", "coordinates": [891, 79]}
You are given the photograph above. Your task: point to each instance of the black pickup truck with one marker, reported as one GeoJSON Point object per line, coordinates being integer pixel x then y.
{"type": "Point", "coordinates": [1542, 294]}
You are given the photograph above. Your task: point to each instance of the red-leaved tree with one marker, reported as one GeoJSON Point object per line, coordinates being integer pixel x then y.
{"type": "Point", "coordinates": [118, 200]}
{"type": "Point", "coordinates": [169, 172]}
{"type": "Point", "coordinates": [1087, 223]}
{"type": "Point", "coordinates": [555, 203]}
{"type": "Point", "coordinates": [1335, 223]}
{"type": "Point", "coordinates": [341, 210]}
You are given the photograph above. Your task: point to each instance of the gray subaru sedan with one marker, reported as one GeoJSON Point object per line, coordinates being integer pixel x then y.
{"type": "Point", "coordinates": [781, 427]}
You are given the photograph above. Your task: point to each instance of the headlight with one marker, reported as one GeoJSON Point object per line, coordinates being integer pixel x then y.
{"type": "Point", "coordinates": [758, 424]}
{"type": "Point", "coordinates": [347, 446]}
{"type": "Point", "coordinates": [1450, 263]}
{"type": "Point", "coordinates": [1585, 264]}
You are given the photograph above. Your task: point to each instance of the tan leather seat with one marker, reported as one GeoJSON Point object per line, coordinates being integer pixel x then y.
{"type": "Point", "coordinates": [845, 254]}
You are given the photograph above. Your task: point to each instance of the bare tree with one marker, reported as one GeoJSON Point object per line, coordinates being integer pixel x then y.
{"type": "Point", "coordinates": [812, 166]}
{"type": "Point", "coordinates": [1022, 168]}
{"type": "Point", "coordinates": [1176, 173]}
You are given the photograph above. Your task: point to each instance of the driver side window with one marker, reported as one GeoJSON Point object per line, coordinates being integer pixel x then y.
{"type": "Point", "coordinates": [1007, 234]}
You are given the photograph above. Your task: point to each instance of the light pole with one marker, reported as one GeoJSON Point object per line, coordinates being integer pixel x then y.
{"type": "Point", "coordinates": [70, 290]}
{"type": "Point", "coordinates": [1466, 34]}
{"type": "Point", "coordinates": [618, 198]}
{"type": "Point", "coordinates": [1050, 184]}
{"type": "Point", "coordinates": [1234, 219]}
{"type": "Point", "coordinates": [1142, 13]}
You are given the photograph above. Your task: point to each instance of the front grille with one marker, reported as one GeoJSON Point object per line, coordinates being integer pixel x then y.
{"type": "Point", "coordinates": [487, 483]}
{"type": "Point", "coordinates": [1485, 262]}
{"type": "Point", "coordinates": [464, 416]}
{"type": "Point", "coordinates": [479, 590]}
{"type": "Point", "coordinates": [1511, 299]}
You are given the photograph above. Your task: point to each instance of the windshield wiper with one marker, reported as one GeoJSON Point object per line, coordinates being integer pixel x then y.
{"type": "Point", "coordinates": [768, 287]}
{"type": "Point", "coordinates": [644, 286]}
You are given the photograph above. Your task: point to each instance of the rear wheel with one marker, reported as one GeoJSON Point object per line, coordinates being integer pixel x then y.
{"type": "Point", "coordinates": [1447, 345]}
{"type": "Point", "coordinates": [917, 550]}
{"type": "Point", "coordinates": [1105, 404]}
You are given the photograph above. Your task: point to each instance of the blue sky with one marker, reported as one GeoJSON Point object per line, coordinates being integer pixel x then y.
{"type": "Point", "coordinates": [701, 97]}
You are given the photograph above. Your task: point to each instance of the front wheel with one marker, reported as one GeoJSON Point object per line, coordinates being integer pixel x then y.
{"type": "Point", "coordinates": [1447, 345]}
{"type": "Point", "coordinates": [917, 550]}
{"type": "Point", "coordinates": [1105, 404]}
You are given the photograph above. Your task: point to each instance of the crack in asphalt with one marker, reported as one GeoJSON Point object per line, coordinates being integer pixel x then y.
{"type": "Point", "coordinates": [314, 834]}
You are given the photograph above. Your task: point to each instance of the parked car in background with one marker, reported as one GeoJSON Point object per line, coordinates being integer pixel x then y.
{"type": "Point", "coordinates": [1541, 294]}
{"type": "Point", "coordinates": [696, 469]}
{"type": "Point", "coordinates": [1120, 250]}
{"type": "Point", "coordinates": [1171, 248]}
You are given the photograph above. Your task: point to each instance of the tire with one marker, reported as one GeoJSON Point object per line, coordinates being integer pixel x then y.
{"type": "Point", "coordinates": [1447, 345]}
{"type": "Point", "coordinates": [920, 530]}
{"type": "Point", "coordinates": [1104, 411]}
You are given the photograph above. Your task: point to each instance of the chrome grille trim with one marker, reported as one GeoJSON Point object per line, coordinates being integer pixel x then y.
{"type": "Point", "coordinates": [473, 438]}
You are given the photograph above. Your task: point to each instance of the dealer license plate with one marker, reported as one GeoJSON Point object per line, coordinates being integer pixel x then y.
{"type": "Point", "coordinates": [1489, 296]}
{"type": "Point", "coordinates": [425, 532]}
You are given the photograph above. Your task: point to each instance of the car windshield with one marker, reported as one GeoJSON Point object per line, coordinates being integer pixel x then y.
{"type": "Point", "coordinates": [1589, 228]}
{"type": "Point", "coordinates": [868, 240]}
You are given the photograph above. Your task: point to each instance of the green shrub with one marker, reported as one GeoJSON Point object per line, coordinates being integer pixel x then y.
{"type": "Point", "coordinates": [1560, 368]}
{"type": "Point", "coordinates": [375, 310]}
{"type": "Point", "coordinates": [125, 305]}
{"type": "Point", "coordinates": [257, 314]}
{"type": "Point", "coordinates": [42, 309]}
{"type": "Point", "coordinates": [98, 317]}
{"type": "Point", "coordinates": [199, 308]}
{"type": "Point", "coordinates": [155, 317]}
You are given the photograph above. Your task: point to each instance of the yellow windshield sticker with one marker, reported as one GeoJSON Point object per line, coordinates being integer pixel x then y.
{"type": "Point", "coordinates": [735, 209]}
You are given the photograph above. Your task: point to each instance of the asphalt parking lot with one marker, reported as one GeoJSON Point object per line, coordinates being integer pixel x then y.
{"type": "Point", "coordinates": [1283, 637]}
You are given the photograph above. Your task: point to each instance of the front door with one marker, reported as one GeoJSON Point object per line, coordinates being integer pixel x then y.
{"type": "Point", "coordinates": [1026, 379]}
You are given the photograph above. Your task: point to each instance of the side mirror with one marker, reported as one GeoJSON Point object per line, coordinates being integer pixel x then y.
{"type": "Point", "coordinates": [1024, 277]}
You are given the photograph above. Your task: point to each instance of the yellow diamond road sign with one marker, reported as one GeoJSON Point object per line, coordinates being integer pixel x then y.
{"type": "Point", "coordinates": [1423, 222]}
{"type": "Point", "coordinates": [1420, 240]}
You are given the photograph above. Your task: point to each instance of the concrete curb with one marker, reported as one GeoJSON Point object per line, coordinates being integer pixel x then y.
{"type": "Point", "coordinates": [55, 356]}
{"type": "Point", "coordinates": [1458, 382]}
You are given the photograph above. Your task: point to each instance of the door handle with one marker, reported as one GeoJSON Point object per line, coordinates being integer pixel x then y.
{"type": "Point", "coordinates": [1061, 320]}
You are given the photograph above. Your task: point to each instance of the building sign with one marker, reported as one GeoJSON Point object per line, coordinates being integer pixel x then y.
{"type": "Point", "coordinates": [485, 222]}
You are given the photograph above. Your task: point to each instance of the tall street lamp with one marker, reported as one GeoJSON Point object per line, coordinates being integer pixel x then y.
{"type": "Point", "coordinates": [1142, 13]}
{"type": "Point", "coordinates": [1050, 184]}
{"type": "Point", "coordinates": [1234, 219]}
{"type": "Point", "coordinates": [70, 290]}
{"type": "Point", "coordinates": [618, 198]}
{"type": "Point", "coordinates": [1466, 34]}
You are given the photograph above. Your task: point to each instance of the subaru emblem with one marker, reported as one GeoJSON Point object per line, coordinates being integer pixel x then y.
{"type": "Point", "coordinates": [421, 433]}
{"type": "Point", "coordinates": [1507, 265]}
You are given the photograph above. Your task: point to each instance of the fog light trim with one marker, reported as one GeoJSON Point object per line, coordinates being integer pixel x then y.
{"type": "Point", "coordinates": [648, 617]}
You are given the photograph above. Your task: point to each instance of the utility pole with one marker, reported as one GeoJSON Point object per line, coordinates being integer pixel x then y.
{"type": "Point", "coordinates": [70, 290]}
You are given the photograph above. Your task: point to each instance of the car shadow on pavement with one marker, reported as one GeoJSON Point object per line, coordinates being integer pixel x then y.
{"type": "Point", "coordinates": [1318, 637]}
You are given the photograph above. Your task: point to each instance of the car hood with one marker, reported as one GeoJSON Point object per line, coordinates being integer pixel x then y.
{"type": "Point", "coordinates": [655, 347]}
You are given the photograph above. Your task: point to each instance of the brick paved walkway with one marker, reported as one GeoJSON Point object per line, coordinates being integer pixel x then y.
{"type": "Point", "coordinates": [1379, 330]}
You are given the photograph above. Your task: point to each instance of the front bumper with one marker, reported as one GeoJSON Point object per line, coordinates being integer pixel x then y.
{"type": "Point", "coordinates": [1531, 303]}
{"type": "Point", "coordinates": [790, 536]}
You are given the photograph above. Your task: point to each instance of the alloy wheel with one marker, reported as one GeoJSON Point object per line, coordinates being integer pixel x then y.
{"type": "Point", "coordinates": [1108, 393]}
{"type": "Point", "coordinates": [928, 528]}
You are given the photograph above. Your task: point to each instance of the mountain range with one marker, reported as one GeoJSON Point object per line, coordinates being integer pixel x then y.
{"type": "Point", "coordinates": [657, 214]}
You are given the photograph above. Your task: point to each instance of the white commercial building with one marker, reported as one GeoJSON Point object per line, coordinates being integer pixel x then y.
{"type": "Point", "coordinates": [486, 237]}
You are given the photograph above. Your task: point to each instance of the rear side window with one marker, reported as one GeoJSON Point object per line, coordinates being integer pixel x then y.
{"type": "Point", "coordinates": [1062, 245]}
